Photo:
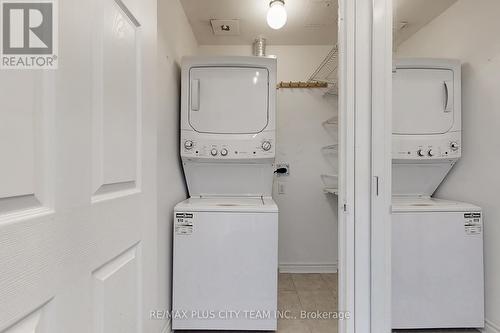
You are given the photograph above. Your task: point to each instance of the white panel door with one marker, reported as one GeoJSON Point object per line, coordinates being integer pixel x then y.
{"type": "Point", "coordinates": [228, 99]}
{"type": "Point", "coordinates": [422, 101]}
{"type": "Point", "coordinates": [78, 249]}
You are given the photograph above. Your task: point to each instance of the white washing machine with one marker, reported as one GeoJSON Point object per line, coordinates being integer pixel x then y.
{"type": "Point", "coordinates": [225, 263]}
{"type": "Point", "coordinates": [437, 245]}
{"type": "Point", "coordinates": [437, 260]}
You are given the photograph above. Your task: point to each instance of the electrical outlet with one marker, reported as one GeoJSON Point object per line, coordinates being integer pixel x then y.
{"type": "Point", "coordinates": [284, 166]}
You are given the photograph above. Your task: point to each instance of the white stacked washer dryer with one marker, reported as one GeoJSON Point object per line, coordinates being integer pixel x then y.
{"type": "Point", "coordinates": [225, 259]}
{"type": "Point", "coordinates": [437, 245]}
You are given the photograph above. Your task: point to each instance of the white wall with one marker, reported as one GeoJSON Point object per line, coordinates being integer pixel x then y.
{"type": "Point", "coordinates": [295, 62]}
{"type": "Point", "coordinates": [469, 31]}
{"type": "Point", "coordinates": [308, 217]}
{"type": "Point", "coordinates": [176, 39]}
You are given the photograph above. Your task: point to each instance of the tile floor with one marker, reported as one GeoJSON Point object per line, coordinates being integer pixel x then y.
{"type": "Point", "coordinates": [305, 294]}
{"type": "Point", "coordinates": [299, 293]}
{"type": "Point", "coordinates": [317, 292]}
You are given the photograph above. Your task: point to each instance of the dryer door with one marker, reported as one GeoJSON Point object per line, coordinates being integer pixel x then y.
{"type": "Point", "coordinates": [423, 101]}
{"type": "Point", "coordinates": [228, 100]}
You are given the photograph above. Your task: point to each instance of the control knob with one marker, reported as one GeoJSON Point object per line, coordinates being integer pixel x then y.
{"type": "Point", "coordinates": [420, 153]}
{"type": "Point", "coordinates": [430, 152]}
{"type": "Point", "coordinates": [223, 151]}
{"type": "Point", "coordinates": [188, 144]}
{"type": "Point", "coordinates": [266, 145]}
{"type": "Point", "coordinates": [454, 146]}
{"type": "Point", "coordinates": [213, 152]}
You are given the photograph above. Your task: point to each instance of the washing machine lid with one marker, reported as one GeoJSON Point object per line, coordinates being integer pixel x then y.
{"type": "Point", "coordinates": [228, 204]}
{"type": "Point", "coordinates": [429, 204]}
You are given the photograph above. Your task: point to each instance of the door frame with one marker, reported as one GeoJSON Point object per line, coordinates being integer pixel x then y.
{"type": "Point", "coordinates": [365, 93]}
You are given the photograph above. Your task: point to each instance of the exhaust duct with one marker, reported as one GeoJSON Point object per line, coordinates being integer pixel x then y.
{"type": "Point", "coordinates": [259, 47]}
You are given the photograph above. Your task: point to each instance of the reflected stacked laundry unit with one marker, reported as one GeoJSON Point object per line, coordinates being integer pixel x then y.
{"type": "Point", "coordinates": [437, 245]}
{"type": "Point", "coordinates": [225, 255]}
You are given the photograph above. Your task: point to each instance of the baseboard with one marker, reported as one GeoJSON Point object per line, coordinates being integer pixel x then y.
{"type": "Point", "coordinates": [307, 268]}
{"type": "Point", "coordinates": [167, 328]}
{"type": "Point", "coordinates": [490, 327]}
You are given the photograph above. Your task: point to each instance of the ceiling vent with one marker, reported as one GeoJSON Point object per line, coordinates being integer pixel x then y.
{"type": "Point", "coordinates": [225, 27]}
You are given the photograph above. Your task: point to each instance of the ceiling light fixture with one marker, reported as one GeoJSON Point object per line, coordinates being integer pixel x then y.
{"type": "Point", "coordinates": [276, 15]}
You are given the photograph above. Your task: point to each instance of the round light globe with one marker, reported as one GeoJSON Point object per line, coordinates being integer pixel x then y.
{"type": "Point", "coordinates": [276, 15]}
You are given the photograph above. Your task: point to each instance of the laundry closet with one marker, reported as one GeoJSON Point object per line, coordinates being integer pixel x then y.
{"type": "Point", "coordinates": [292, 171]}
{"type": "Point", "coordinates": [445, 230]}
{"type": "Point", "coordinates": [258, 140]}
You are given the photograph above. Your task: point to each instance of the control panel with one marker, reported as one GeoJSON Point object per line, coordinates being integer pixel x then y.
{"type": "Point", "coordinates": [228, 149]}
{"type": "Point", "coordinates": [426, 147]}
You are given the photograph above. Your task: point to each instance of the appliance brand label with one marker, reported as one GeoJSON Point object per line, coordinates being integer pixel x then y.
{"type": "Point", "coordinates": [472, 223]}
{"type": "Point", "coordinates": [184, 223]}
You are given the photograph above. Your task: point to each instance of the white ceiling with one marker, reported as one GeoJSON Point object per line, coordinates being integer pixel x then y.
{"type": "Point", "coordinates": [310, 22]}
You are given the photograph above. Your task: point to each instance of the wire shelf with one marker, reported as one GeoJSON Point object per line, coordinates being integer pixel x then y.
{"type": "Point", "coordinates": [331, 155]}
{"type": "Point", "coordinates": [330, 181]}
{"type": "Point", "coordinates": [331, 127]}
{"type": "Point", "coordinates": [334, 191]}
{"type": "Point", "coordinates": [327, 70]}
{"type": "Point", "coordinates": [332, 121]}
